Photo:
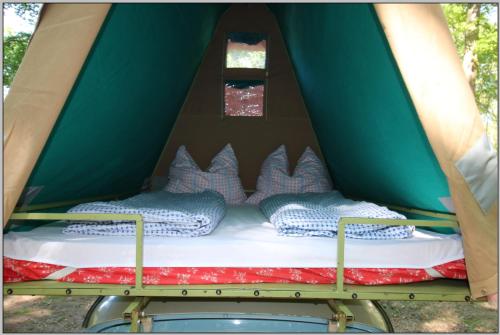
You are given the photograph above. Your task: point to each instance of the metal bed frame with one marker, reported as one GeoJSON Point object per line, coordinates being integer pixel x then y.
{"type": "Point", "coordinates": [436, 290]}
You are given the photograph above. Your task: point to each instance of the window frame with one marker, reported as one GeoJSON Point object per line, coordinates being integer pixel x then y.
{"type": "Point", "coordinates": [226, 38]}
{"type": "Point", "coordinates": [264, 100]}
{"type": "Point", "coordinates": [239, 73]}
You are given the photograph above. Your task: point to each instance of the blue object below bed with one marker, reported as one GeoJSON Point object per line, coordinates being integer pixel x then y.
{"type": "Point", "coordinates": [318, 214]}
{"type": "Point", "coordinates": [164, 214]}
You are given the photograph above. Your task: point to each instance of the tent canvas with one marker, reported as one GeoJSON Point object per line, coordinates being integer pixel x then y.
{"type": "Point", "coordinates": [98, 93]}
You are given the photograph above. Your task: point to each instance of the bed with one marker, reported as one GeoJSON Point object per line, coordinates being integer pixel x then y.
{"type": "Point", "coordinates": [245, 248]}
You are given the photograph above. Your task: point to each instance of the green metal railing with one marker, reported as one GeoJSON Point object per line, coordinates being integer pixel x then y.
{"type": "Point", "coordinates": [432, 214]}
{"type": "Point", "coordinates": [389, 222]}
{"type": "Point", "coordinates": [440, 290]}
{"type": "Point", "coordinates": [98, 217]}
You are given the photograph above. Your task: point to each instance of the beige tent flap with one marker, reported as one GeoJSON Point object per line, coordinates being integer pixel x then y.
{"type": "Point", "coordinates": [64, 36]}
{"type": "Point", "coordinates": [428, 61]}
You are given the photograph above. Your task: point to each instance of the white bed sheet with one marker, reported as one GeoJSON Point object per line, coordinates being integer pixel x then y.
{"type": "Point", "coordinates": [244, 238]}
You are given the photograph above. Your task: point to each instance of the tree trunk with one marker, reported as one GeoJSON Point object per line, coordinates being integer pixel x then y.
{"type": "Point", "coordinates": [470, 62]}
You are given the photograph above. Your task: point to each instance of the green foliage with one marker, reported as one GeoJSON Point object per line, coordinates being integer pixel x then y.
{"type": "Point", "coordinates": [28, 11]}
{"type": "Point", "coordinates": [456, 15]}
{"type": "Point", "coordinates": [487, 52]}
{"type": "Point", "coordinates": [246, 59]}
{"type": "Point", "coordinates": [14, 47]}
{"type": "Point", "coordinates": [486, 85]}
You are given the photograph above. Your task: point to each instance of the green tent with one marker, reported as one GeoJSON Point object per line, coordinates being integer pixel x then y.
{"type": "Point", "coordinates": [106, 93]}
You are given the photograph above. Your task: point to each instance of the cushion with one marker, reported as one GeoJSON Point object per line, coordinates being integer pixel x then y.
{"type": "Point", "coordinates": [310, 175]}
{"type": "Point", "coordinates": [185, 176]}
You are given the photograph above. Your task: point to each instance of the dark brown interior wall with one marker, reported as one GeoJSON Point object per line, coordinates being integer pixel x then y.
{"type": "Point", "coordinates": [201, 125]}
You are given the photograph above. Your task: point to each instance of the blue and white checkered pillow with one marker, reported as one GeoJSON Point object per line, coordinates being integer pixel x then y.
{"type": "Point", "coordinates": [310, 175]}
{"type": "Point", "coordinates": [222, 176]}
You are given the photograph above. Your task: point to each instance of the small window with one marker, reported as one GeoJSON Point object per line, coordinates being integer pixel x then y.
{"type": "Point", "coordinates": [246, 50]}
{"type": "Point", "coordinates": [244, 97]}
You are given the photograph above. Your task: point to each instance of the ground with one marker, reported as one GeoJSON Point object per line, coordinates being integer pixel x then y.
{"type": "Point", "coordinates": [35, 314]}
{"type": "Point", "coordinates": [445, 317]}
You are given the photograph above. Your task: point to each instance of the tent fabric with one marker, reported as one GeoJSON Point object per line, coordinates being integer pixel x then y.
{"type": "Point", "coordinates": [246, 37]}
{"type": "Point", "coordinates": [423, 48]}
{"type": "Point", "coordinates": [114, 124]}
{"type": "Point", "coordinates": [41, 86]}
{"type": "Point", "coordinates": [202, 125]}
{"type": "Point", "coordinates": [363, 116]}
{"type": "Point", "coordinates": [388, 101]}
{"type": "Point", "coordinates": [481, 157]}
{"type": "Point", "coordinates": [243, 84]}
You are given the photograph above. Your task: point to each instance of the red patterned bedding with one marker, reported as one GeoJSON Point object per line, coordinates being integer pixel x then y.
{"type": "Point", "coordinates": [18, 271]}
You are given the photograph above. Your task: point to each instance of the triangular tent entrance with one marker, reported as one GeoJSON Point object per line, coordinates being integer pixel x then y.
{"type": "Point", "coordinates": [204, 128]}
{"type": "Point", "coordinates": [104, 90]}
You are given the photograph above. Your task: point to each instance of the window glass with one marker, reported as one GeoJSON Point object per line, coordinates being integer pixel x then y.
{"type": "Point", "coordinates": [244, 97]}
{"type": "Point", "coordinates": [246, 50]}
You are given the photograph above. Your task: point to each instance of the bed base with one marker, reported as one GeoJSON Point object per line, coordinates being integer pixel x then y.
{"type": "Point", "coordinates": [437, 290]}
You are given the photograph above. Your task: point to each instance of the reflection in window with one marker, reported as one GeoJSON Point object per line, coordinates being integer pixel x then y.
{"type": "Point", "coordinates": [244, 97]}
{"type": "Point", "coordinates": [246, 50]}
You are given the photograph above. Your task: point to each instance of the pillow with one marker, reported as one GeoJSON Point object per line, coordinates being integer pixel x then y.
{"type": "Point", "coordinates": [222, 175]}
{"type": "Point", "coordinates": [310, 175]}
{"type": "Point", "coordinates": [276, 161]}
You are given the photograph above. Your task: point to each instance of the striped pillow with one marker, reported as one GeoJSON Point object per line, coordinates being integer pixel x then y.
{"type": "Point", "coordinates": [310, 175]}
{"type": "Point", "coordinates": [185, 176]}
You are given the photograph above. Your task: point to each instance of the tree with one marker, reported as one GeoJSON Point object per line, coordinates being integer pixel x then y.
{"type": "Point", "coordinates": [471, 35]}
{"type": "Point", "coordinates": [476, 39]}
{"type": "Point", "coordinates": [14, 47]}
{"type": "Point", "coordinates": [28, 11]}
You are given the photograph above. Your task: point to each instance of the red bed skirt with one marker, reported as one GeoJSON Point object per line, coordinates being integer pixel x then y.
{"type": "Point", "coordinates": [18, 271]}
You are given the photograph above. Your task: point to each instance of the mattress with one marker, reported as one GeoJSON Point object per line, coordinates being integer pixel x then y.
{"type": "Point", "coordinates": [245, 248]}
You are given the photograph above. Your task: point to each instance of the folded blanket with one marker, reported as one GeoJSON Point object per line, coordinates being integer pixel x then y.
{"type": "Point", "coordinates": [164, 214]}
{"type": "Point", "coordinates": [318, 214]}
